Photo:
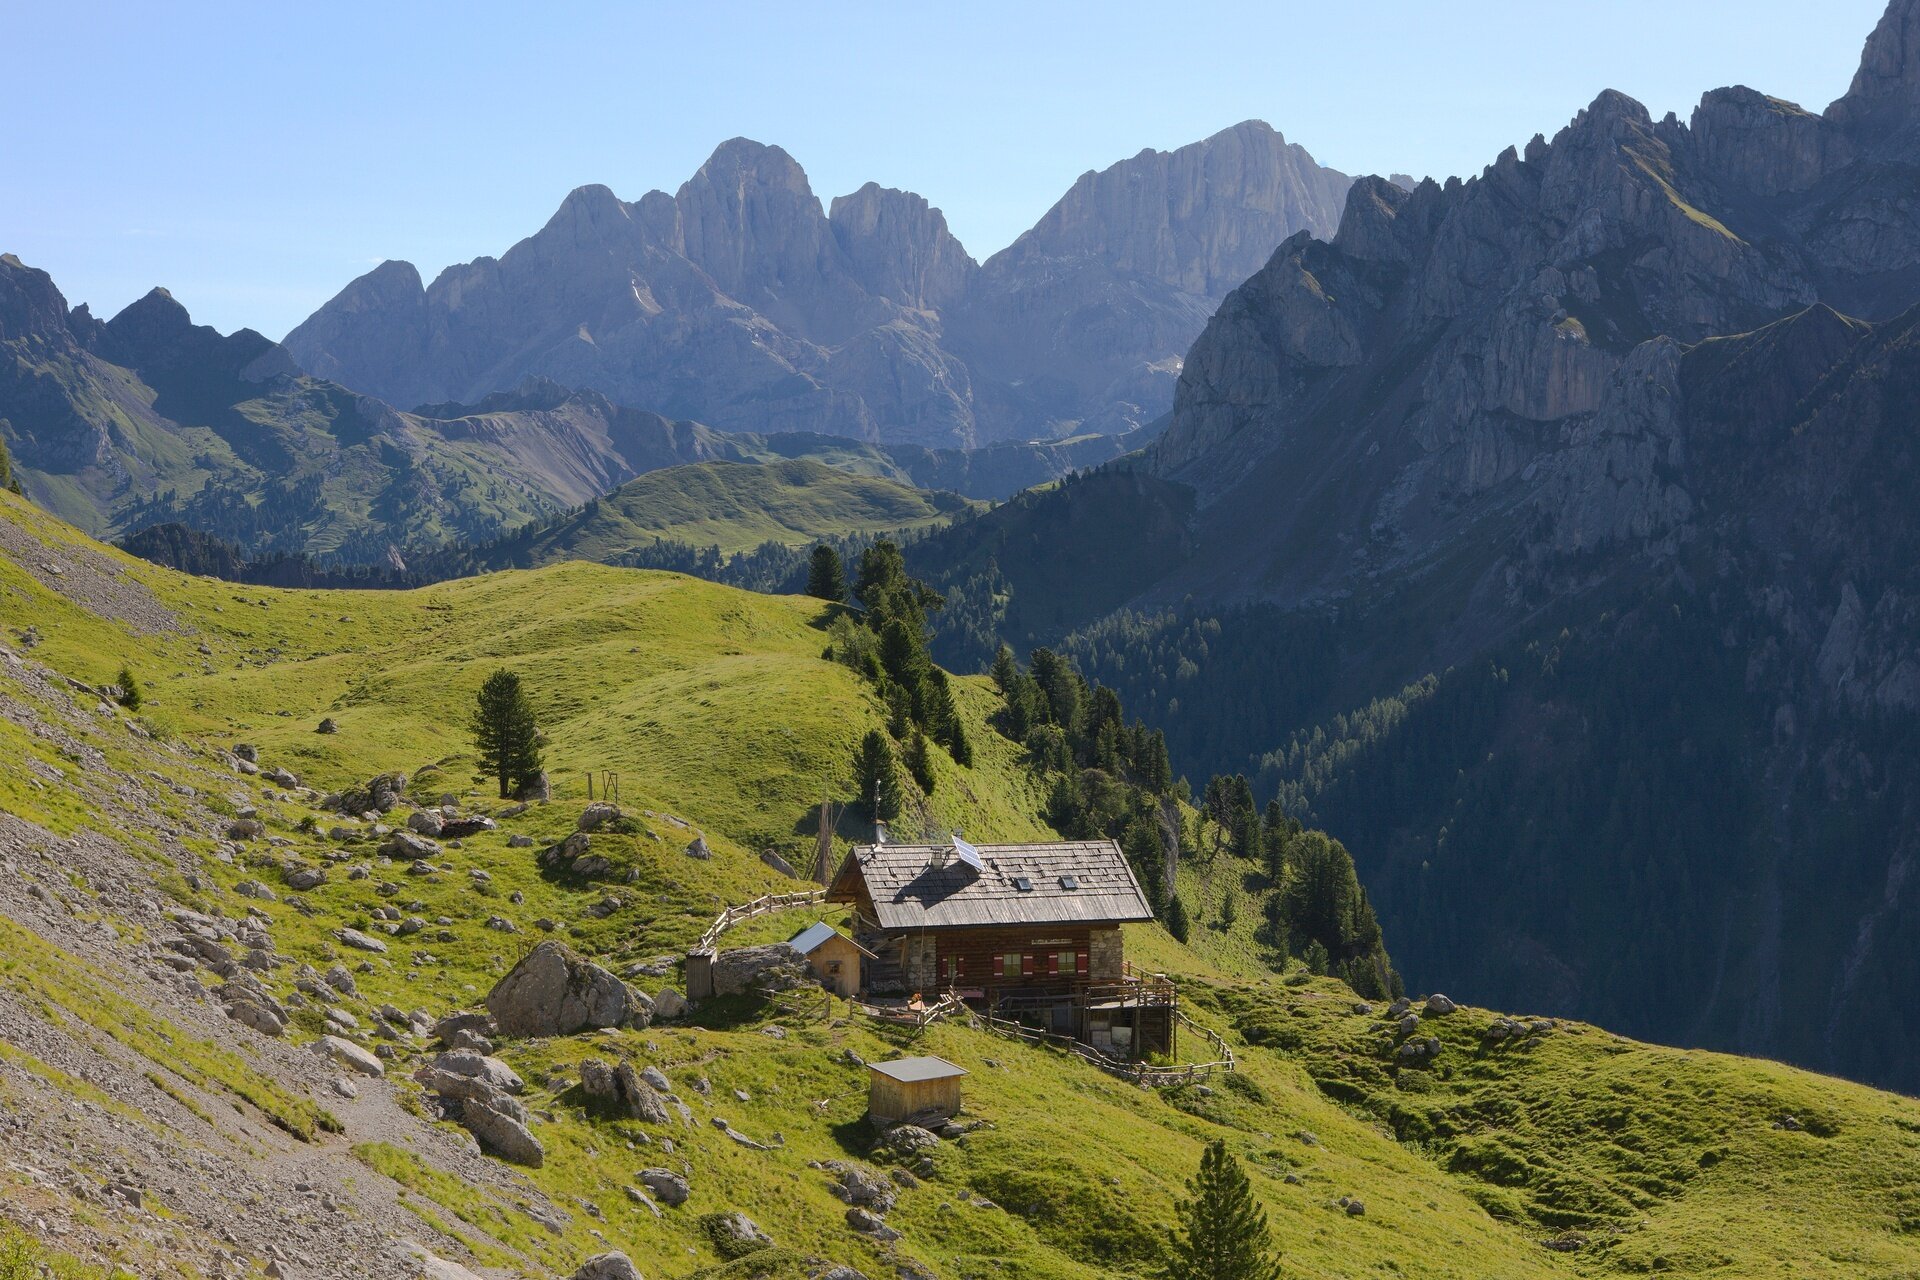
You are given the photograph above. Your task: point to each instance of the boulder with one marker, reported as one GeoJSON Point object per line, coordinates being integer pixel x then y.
{"type": "Point", "coordinates": [360, 941]}
{"type": "Point", "coordinates": [607, 1266]}
{"type": "Point", "coordinates": [445, 1029]}
{"type": "Point", "coordinates": [349, 1055]}
{"type": "Point", "coordinates": [478, 1066]}
{"type": "Point", "coordinates": [734, 1234]}
{"type": "Point", "coordinates": [281, 777]}
{"type": "Point", "coordinates": [621, 1091]}
{"type": "Point", "coordinates": [667, 1186]}
{"type": "Point", "coordinates": [246, 829]}
{"type": "Point", "coordinates": [906, 1140]}
{"type": "Point", "coordinates": [518, 841]}
{"type": "Point", "coordinates": [300, 879]}
{"type": "Point", "coordinates": [247, 751]}
{"type": "Point", "coordinates": [867, 1223]}
{"type": "Point", "coordinates": [408, 847]}
{"type": "Point", "coordinates": [539, 789]}
{"type": "Point", "coordinates": [861, 1186]}
{"type": "Point", "coordinates": [745, 970]}
{"type": "Point", "coordinates": [327, 725]}
{"type": "Point", "coordinates": [698, 849]}
{"type": "Point", "coordinates": [553, 992]}
{"type": "Point", "coordinates": [500, 1134]}
{"type": "Point", "coordinates": [779, 864]}
{"type": "Point", "coordinates": [598, 815]}
{"type": "Point", "coordinates": [424, 822]}
{"type": "Point", "coordinates": [669, 1004]}
{"type": "Point", "coordinates": [1440, 1006]}
{"type": "Point", "coordinates": [464, 826]}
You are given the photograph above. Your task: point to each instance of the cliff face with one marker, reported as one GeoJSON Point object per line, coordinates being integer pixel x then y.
{"type": "Point", "coordinates": [740, 301]}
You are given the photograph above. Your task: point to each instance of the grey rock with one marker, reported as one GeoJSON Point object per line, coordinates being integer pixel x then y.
{"type": "Point", "coordinates": [621, 1090]}
{"type": "Point", "coordinates": [669, 1187]}
{"type": "Point", "coordinates": [745, 970]}
{"type": "Point", "coordinates": [607, 1266]}
{"type": "Point", "coordinates": [349, 1055]}
{"type": "Point", "coordinates": [553, 992]}
{"type": "Point", "coordinates": [500, 1134]}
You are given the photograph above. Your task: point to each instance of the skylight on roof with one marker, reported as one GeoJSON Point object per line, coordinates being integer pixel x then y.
{"type": "Point", "coordinates": [1069, 882]}
{"type": "Point", "coordinates": [1023, 884]}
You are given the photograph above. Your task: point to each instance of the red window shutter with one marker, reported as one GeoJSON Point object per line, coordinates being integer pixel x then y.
{"type": "Point", "coordinates": [1053, 964]}
{"type": "Point", "coordinates": [1026, 966]}
{"type": "Point", "coordinates": [1080, 962]}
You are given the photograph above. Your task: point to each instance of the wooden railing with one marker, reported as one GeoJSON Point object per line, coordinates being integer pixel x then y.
{"type": "Point", "coordinates": [1141, 1073]}
{"type": "Point", "coordinates": [758, 907]}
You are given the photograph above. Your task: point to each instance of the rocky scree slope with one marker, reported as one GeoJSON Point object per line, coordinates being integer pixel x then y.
{"type": "Point", "coordinates": [740, 301]}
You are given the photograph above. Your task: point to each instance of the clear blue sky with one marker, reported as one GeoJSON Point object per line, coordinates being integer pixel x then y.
{"type": "Point", "coordinates": [255, 157]}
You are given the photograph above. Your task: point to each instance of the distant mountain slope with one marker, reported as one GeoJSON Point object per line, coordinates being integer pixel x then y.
{"type": "Point", "coordinates": [149, 419]}
{"type": "Point", "coordinates": [741, 302]}
{"type": "Point", "coordinates": [1615, 443]}
{"type": "Point", "coordinates": [734, 506]}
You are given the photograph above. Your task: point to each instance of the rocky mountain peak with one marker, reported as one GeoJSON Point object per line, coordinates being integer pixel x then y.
{"type": "Point", "coordinates": [30, 304]}
{"type": "Point", "coordinates": [1886, 89]}
{"type": "Point", "coordinates": [153, 323]}
{"type": "Point", "coordinates": [1201, 218]}
{"type": "Point", "coordinates": [899, 247]}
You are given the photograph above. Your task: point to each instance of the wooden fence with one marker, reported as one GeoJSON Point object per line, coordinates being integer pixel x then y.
{"type": "Point", "coordinates": [758, 907]}
{"type": "Point", "coordinates": [1141, 1073]}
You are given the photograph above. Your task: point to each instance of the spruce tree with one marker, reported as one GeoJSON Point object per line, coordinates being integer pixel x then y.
{"type": "Point", "coordinates": [1223, 1231]}
{"type": "Point", "coordinates": [825, 576]}
{"type": "Point", "coordinates": [919, 760]}
{"type": "Point", "coordinates": [130, 695]}
{"type": "Point", "coordinates": [504, 733]}
{"type": "Point", "coordinates": [877, 775]}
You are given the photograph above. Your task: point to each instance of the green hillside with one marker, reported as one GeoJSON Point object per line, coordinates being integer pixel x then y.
{"type": "Point", "coordinates": [735, 506]}
{"type": "Point", "coordinates": [1563, 1150]}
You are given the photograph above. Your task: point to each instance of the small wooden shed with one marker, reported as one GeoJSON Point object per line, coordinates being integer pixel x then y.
{"type": "Point", "coordinates": [834, 957]}
{"type": "Point", "coordinates": [913, 1089]}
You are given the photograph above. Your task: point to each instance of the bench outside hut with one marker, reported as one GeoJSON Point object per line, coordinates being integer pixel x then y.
{"type": "Point", "coordinates": [919, 1089]}
{"type": "Point", "coordinates": [834, 957]}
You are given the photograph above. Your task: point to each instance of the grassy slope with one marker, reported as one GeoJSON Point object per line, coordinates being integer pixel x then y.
{"type": "Point", "coordinates": [715, 706]}
{"type": "Point", "coordinates": [739, 505]}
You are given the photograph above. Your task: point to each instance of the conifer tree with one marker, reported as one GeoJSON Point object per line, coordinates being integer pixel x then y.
{"type": "Point", "coordinates": [130, 695]}
{"type": "Point", "coordinates": [919, 761]}
{"type": "Point", "coordinates": [1223, 1231]}
{"type": "Point", "coordinates": [826, 578]}
{"type": "Point", "coordinates": [877, 775]}
{"type": "Point", "coordinates": [504, 733]}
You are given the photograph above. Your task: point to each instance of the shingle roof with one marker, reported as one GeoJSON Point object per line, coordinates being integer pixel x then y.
{"type": "Point", "coordinates": [927, 885]}
{"type": "Point", "coordinates": [909, 1070]}
{"type": "Point", "coordinates": [814, 934]}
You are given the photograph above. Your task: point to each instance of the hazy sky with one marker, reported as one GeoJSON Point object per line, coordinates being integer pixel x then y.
{"type": "Point", "coordinates": [255, 157]}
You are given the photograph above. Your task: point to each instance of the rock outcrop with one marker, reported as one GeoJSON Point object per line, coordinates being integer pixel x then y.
{"type": "Point", "coordinates": [553, 992]}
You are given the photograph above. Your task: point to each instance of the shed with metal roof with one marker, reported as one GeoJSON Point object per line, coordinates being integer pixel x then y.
{"type": "Point", "coordinates": [923, 1090]}
{"type": "Point", "coordinates": [835, 958]}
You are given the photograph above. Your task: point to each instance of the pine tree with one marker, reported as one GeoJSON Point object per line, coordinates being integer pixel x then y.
{"type": "Point", "coordinates": [1005, 670]}
{"type": "Point", "coordinates": [825, 576]}
{"type": "Point", "coordinates": [877, 775]}
{"type": "Point", "coordinates": [504, 733]}
{"type": "Point", "coordinates": [130, 695]}
{"type": "Point", "coordinates": [8, 481]}
{"type": "Point", "coordinates": [1177, 922]}
{"type": "Point", "coordinates": [919, 761]}
{"type": "Point", "coordinates": [1223, 1231]}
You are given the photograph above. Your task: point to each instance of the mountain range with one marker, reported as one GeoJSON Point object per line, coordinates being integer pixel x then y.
{"type": "Point", "coordinates": [742, 302]}
{"type": "Point", "coordinates": [149, 419]}
{"type": "Point", "coordinates": [1549, 536]}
